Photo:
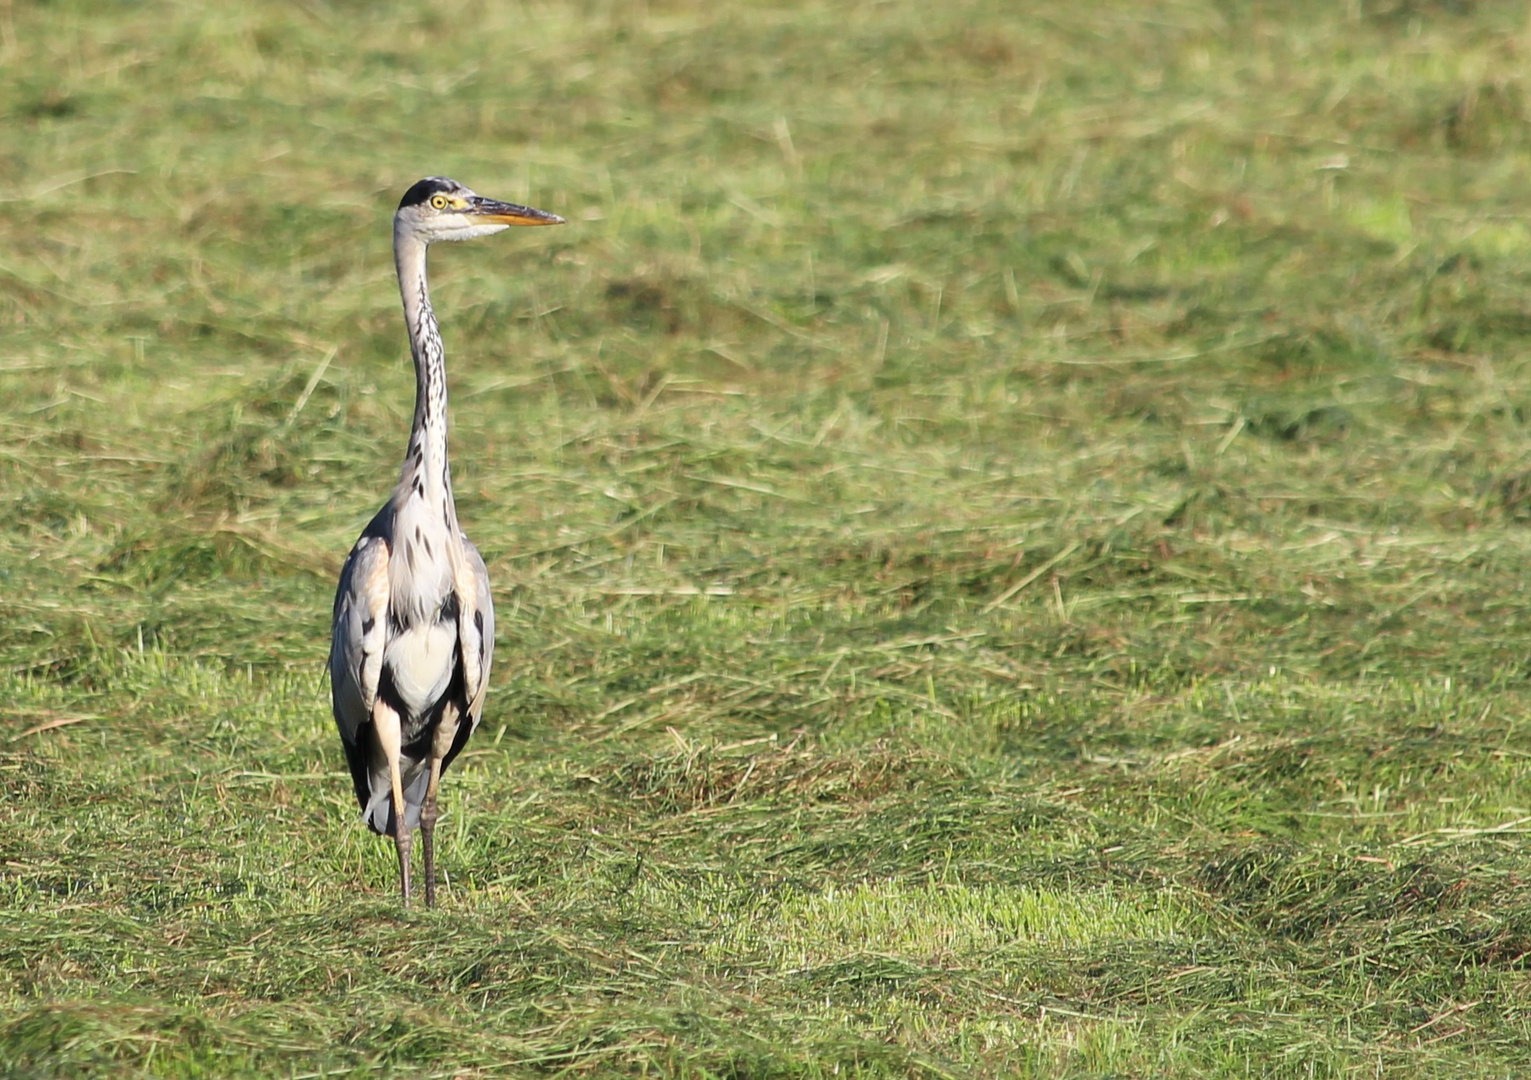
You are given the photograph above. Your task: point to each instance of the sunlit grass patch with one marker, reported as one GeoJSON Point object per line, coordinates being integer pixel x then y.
{"type": "Point", "coordinates": [951, 923]}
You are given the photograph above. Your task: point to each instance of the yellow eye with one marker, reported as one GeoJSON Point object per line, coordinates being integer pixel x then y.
{"type": "Point", "coordinates": [439, 202]}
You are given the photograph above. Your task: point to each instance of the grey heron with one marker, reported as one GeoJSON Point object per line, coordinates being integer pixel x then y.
{"type": "Point", "coordinates": [413, 630]}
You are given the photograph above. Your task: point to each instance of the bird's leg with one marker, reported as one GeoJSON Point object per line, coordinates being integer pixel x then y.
{"type": "Point", "coordinates": [428, 832]}
{"type": "Point", "coordinates": [389, 736]}
{"type": "Point", "coordinates": [402, 841]}
{"type": "Point", "coordinates": [441, 745]}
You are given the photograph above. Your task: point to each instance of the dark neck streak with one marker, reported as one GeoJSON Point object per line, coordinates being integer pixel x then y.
{"type": "Point", "coordinates": [426, 473]}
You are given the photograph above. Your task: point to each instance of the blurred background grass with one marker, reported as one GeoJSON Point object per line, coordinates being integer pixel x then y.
{"type": "Point", "coordinates": [1008, 523]}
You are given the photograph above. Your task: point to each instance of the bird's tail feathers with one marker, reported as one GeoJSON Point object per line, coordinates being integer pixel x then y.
{"type": "Point", "coordinates": [379, 814]}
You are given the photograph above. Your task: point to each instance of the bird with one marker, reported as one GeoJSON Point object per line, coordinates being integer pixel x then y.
{"type": "Point", "coordinates": [413, 631]}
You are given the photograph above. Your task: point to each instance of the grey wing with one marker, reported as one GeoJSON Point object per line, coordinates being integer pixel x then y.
{"type": "Point", "coordinates": [483, 636]}
{"type": "Point", "coordinates": [358, 636]}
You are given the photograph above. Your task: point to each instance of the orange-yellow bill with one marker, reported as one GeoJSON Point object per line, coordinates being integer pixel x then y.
{"type": "Point", "coordinates": [504, 213]}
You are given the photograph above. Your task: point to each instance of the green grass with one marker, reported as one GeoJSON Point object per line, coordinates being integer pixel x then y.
{"type": "Point", "coordinates": [1009, 524]}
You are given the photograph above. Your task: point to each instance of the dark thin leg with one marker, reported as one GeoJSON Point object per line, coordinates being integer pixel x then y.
{"type": "Point", "coordinates": [428, 833]}
{"type": "Point", "coordinates": [428, 814]}
{"type": "Point", "coordinates": [403, 841]}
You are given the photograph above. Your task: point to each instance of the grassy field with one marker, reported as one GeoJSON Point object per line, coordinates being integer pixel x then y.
{"type": "Point", "coordinates": [1009, 524]}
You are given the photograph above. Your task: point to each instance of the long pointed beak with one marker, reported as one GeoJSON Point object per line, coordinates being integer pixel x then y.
{"type": "Point", "coordinates": [504, 213]}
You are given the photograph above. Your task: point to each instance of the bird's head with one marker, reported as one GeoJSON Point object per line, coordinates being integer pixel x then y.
{"type": "Point", "coordinates": [440, 209]}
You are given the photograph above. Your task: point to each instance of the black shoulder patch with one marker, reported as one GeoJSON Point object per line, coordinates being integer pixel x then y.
{"type": "Point", "coordinates": [424, 189]}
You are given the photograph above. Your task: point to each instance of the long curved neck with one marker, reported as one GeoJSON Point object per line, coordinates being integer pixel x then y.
{"type": "Point", "coordinates": [425, 470]}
